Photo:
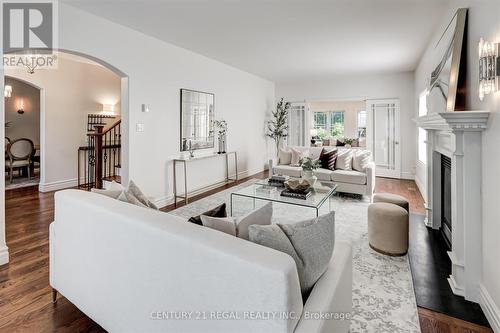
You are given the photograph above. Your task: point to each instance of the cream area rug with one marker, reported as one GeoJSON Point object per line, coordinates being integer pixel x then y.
{"type": "Point", "coordinates": [383, 296]}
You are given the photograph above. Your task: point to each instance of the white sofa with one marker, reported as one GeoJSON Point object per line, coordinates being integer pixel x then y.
{"type": "Point", "coordinates": [130, 268]}
{"type": "Point", "coordinates": [348, 181]}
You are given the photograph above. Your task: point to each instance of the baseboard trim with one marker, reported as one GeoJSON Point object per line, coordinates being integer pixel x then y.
{"type": "Point", "coordinates": [58, 185]}
{"type": "Point", "coordinates": [421, 188]}
{"type": "Point", "coordinates": [4, 255]}
{"type": "Point", "coordinates": [407, 175]}
{"type": "Point", "coordinates": [168, 200]}
{"type": "Point", "coordinates": [490, 309]}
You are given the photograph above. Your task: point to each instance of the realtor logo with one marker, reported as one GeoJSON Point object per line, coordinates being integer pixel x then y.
{"type": "Point", "coordinates": [29, 33]}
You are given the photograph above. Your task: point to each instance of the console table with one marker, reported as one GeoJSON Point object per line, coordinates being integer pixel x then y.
{"type": "Point", "coordinates": [186, 160]}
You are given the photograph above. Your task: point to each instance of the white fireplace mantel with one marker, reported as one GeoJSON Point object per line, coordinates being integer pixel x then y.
{"type": "Point", "coordinates": [458, 135]}
{"type": "Point", "coordinates": [455, 121]}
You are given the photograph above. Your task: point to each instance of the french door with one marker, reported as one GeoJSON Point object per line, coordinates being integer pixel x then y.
{"type": "Point", "coordinates": [297, 124]}
{"type": "Point", "coordinates": [384, 135]}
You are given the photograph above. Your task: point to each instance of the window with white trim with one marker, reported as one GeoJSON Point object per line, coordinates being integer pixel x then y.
{"type": "Point", "coordinates": [422, 134]}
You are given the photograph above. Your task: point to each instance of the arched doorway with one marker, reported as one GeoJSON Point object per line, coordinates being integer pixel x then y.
{"type": "Point", "coordinates": [45, 96]}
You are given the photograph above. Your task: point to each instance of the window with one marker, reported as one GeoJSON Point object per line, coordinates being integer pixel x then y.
{"type": "Point", "coordinates": [329, 123]}
{"type": "Point", "coordinates": [361, 124]}
{"type": "Point", "coordinates": [422, 134]}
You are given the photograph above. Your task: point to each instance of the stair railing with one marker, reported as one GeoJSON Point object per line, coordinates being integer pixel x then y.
{"type": "Point", "coordinates": [100, 159]}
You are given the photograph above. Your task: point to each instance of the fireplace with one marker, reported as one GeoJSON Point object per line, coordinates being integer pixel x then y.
{"type": "Point", "coordinates": [446, 225]}
{"type": "Point", "coordinates": [453, 188]}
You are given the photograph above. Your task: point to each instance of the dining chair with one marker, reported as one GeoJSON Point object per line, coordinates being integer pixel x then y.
{"type": "Point", "coordinates": [6, 144]}
{"type": "Point", "coordinates": [20, 152]}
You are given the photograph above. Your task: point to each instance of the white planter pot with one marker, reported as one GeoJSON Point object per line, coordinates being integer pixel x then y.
{"type": "Point", "coordinates": [309, 177]}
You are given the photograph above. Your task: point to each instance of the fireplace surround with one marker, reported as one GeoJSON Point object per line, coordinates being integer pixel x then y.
{"type": "Point", "coordinates": [458, 136]}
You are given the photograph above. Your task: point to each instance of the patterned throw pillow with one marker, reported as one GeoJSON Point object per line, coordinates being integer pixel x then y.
{"type": "Point", "coordinates": [328, 159]}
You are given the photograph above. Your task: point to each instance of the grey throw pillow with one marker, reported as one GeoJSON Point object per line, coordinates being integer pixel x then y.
{"type": "Point", "coordinates": [129, 198]}
{"type": "Point", "coordinates": [134, 190]}
{"type": "Point", "coordinates": [310, 243]}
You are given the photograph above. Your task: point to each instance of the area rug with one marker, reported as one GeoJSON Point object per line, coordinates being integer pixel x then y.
{"type": "Point", "coordinates": [383, 295]}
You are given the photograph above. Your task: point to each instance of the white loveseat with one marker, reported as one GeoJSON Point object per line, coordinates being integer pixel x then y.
{"type": "Point", "coordinates": [348, 181]}
{"type": "Point", "coordinates": [134, 269]}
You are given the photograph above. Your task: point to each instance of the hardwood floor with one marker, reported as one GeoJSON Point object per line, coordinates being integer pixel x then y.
{"type": "Point", "coordinates": [405, 188]}
{"type": "Point", "coordinates": [25, 294]}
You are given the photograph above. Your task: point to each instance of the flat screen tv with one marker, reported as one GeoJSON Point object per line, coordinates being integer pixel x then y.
{"type": "Point", "coordinates": [447, 89]}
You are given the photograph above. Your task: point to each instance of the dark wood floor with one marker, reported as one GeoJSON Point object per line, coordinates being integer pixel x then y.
{"type": "Point", "coordinates": [25, 294]}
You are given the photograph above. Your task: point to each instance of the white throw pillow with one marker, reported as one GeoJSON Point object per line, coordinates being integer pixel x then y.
{"type": "Point", "coordinates": [260, 216]}
{"type": "Point", "coordinates": [224, 224]}
{"type": "Point", "coordinates": [113, 186]}
{"type": "Point", "coordinates": [361, 159]}
{"type": "Point", "coordinates": [297, 155]}
{"type": "Point", "coordinates": [344, 159]}
{"type": "Point", "coordinates": [284, 157]}
{"type": "Point", "coordinates": [112, 190]}
{"type": "Point", "coordinates": [238, 226]}
{"type": "Point", "coordinates": [109, 193]}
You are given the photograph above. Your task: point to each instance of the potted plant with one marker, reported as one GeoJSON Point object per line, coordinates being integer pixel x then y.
{"type": "Point", "coordinates": [221, 126]}
{"type": "Point", "coordinates": [277, 128]}
{"type": "Point", "coordinates": [348, 142]}
{"type": "Point", "coordinates": [308, 165]}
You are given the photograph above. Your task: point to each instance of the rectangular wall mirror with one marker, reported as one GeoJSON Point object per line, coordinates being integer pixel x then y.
{"type": "Point", "coordinates": [197, 120]}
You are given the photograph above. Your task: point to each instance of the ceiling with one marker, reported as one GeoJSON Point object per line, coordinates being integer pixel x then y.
{"type": "Point", "coordinates": [285, 40]}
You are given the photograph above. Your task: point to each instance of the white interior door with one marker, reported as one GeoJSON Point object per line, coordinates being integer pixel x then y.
{"type": "Point", "coordinates": [297, 124]}
{"type": "Point", "coordinates": [384, 135]}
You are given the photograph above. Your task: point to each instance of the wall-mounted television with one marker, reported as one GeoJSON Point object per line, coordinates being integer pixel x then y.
{"type": "Point", "coordinates": [447, 89]}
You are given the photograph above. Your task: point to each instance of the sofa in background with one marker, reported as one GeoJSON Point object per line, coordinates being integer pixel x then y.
{"type": "Point", "coordinates": [348, 181]}
{"type": "Point", "coordinates": [127, 267]}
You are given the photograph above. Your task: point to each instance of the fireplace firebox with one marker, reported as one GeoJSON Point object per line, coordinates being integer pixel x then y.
{"type": "Point", "coordinates": [446, 225]}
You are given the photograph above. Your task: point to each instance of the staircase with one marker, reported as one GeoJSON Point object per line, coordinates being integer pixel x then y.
{"type": "Point", "coordinates": [100, 160]}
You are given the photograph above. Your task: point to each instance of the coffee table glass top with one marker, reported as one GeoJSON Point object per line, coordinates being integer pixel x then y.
{"type": "Point", "coordinates": [262, 190]}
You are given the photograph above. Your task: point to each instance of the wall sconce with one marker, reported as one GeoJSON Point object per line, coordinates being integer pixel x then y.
{"type": "Point", "coordinates": [7, 93]}
{"type": "Point", "coordinates": [489, 67]}
{"type": "Point", "coordinates": [21, 107]}
{"type": "Point", "coordinates": [108, 109]}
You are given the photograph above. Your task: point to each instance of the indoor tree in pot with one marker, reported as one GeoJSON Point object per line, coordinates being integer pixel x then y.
{"type": "Point", "coordinates": [277, 128]}
{"type": "Point", "coordinates": [308, 166]}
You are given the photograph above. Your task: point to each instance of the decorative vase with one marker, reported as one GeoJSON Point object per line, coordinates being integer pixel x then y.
{"type": "Point", "coordinates": [309, 177]}
{"type": "Point", "coordinates": [348, 145]}
{"type": "Point", "coordinates": [219, 144]}
{"type": "Point", "coordinates": [224, 144]}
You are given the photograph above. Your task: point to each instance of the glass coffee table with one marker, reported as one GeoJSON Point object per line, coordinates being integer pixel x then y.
{"type": "Point", "coordinates": [261, 190]}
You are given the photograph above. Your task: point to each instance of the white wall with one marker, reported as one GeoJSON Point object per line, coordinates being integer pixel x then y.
{"type": "Point", "coordinates": [156, 72]}
{"type": "Point", "coordinates": [483, 21]}
{"type": "Point", "coordinates": [26, 125]}
{"type": "Point", "coordinates": [399, 85]}
{"type": "Point", "coordinates": [70, 92]}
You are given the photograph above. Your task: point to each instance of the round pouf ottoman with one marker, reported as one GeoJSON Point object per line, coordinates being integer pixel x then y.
{"type": "Point", "coordinates": [388, 228]}
{"type": "Point", "coordinates": [393, 199]}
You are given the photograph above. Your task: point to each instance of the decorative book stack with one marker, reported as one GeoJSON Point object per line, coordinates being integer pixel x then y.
{"type": "Point", "coordinates": [297, 195]}
{"type": "Point", "coordinates": [278, 180]}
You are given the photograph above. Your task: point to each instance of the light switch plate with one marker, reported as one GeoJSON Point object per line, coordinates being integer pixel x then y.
{"type": "Point", "coordinates": [139, 127]}
{"type": "Point", "coordinates": [145, 107]}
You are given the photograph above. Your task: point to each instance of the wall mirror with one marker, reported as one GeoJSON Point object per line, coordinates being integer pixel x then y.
{"type": "Point", "coordinates": [197, 120]}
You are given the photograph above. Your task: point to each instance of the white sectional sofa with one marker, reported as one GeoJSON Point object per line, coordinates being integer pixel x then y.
{"type": "Point", "coordinates": [348, 181]}
{"type": "Point", "coordinates": [134, 269]}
